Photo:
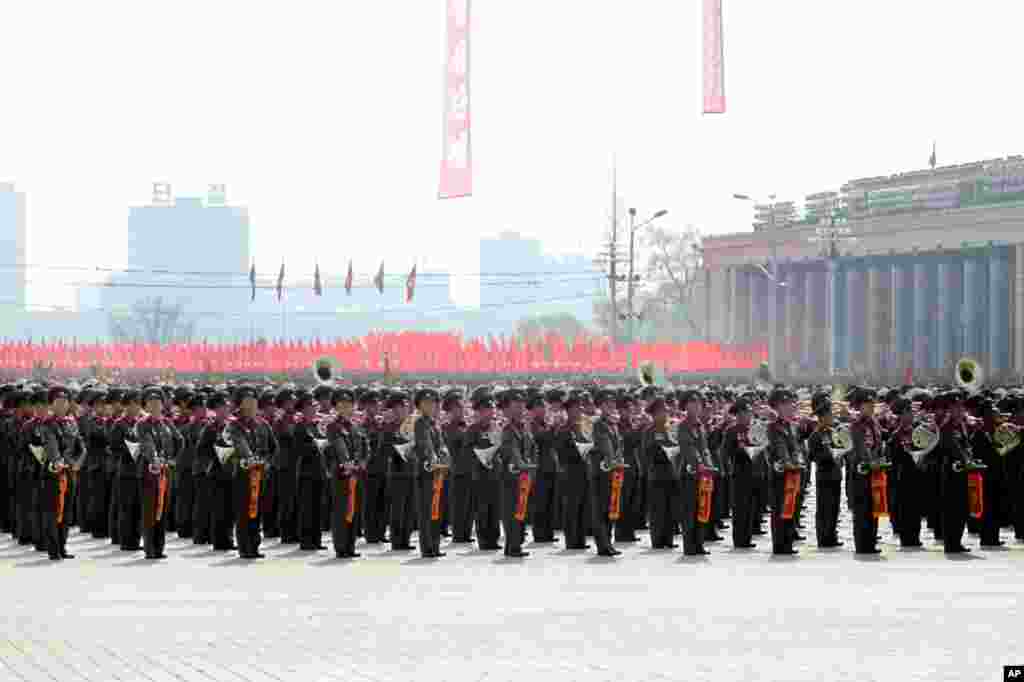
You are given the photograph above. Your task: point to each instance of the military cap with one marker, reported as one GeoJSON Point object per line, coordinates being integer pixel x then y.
{"type": "Point", "coordinates": [395, 398]}
{"type": "Point", "coordinates": [266, 399]}
{"type": "Point", "coordinates": [243, 392]}
{"type": "Point", "coordinates": [512, 395]}
{"type": "Point", "coordinates": [741, 406]}
{"type": "Point", "coordinates": [901, 406]}
{"type": "Point", "coordinates": [781, 395]}
{"type": "Point", "coordinates": [283, 397]}
{"type": "Point", "coordinates": [555, 395]}
{"type": "Point", "coordinates": [605, 396]}
{"type": "Point", "coordinates": [689, 396]}
{"type": "Point", "coordinates": [483, 402]}
{"type": "Point", "coordinates": [573, 400]}
{"type": "Point", "coordinates": [343, 395]}
{"type": "Point", "coordinates": [369, 396]}
{"type": "Point", "coordinates": [822, 406]}
{"type": "Point", "coordinates": [196, 401]}
{"type": "Point", "coordinates": [451, 399]}
{"type": "Point", "coordinates": [217, 400]}
{"type": "Point", "coordinates": [425, 393]}
{"type": "Point", "coordinates": [322, 392]}
{"type": "Point", "coordinates": [534, 401]}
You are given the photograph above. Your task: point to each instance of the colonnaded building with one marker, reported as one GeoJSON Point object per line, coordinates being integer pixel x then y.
{"type": "Point", "coordinates": [927, 267]}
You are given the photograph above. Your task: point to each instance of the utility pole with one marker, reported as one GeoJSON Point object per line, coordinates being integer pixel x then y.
{"type": "Point", "coordinates": [610, 258]}
{"type": "Point", "coordinates": [629, 283]}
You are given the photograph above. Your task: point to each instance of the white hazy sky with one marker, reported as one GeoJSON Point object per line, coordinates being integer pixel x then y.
{"type": "Point", "coordinates": [324, 117]}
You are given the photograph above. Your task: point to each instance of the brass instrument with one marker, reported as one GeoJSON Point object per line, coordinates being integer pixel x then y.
{"type": "Point", "coordinates": [223, 451]}
{"type": "Point", "coordinates": [924, 439]}
{"type": "Point", "coordinates": [320, 438]}
{"type": "Point", "coordinates": [650, 374]}
{"type": "Point", "coordinates": [131, 441]}
{"type": "Point", "coordinates": [323, 371]}
{"type": "Point", "coordinates": [969, 375]}
{"type": "Point", "coordinates": [407, 431]}
{"type": "Point", "coordinates": [757, 435]}
{"type": "Point", "coordinates": [1006, 438]}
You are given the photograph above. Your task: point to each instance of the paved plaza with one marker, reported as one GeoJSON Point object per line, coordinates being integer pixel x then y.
{"type": "Point", "coordinates": [557, 615]}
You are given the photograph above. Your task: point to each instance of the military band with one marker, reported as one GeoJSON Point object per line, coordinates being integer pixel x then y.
{"type": "Point", "coordinates": [498, 467]}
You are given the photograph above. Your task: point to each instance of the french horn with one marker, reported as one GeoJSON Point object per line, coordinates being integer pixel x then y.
{"type": "Point", "coordinates": [969, 375]}
{"type": "Point", "coordinates": [757, 434]}
{"type": "Point", "coordinates": [842, 441]}
{"type": "Point", "coordinates": [407, 431]}
{"type": "Point", "coordinates": [924, 439]}
{"type": "Point", "coordinates": [1006, 438]}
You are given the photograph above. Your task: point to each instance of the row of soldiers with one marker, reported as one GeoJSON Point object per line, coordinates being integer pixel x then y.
{"type": "Point", "coordinates": [228, 469]}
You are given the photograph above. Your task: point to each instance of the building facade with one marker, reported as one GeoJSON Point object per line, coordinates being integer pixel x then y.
{"type": "Point", "coordinates": [13, 254]}
{"type": "Point", "coordinates": [936, 273]}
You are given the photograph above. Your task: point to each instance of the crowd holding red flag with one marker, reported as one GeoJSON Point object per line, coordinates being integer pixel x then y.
{"type": "Point", "coordinates": [413, 352]}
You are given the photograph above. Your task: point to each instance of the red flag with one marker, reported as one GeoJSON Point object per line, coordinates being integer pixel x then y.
{"type": "Point", "coordinates": [348, 280]}
{"type": "Point", "coordinates": [410, 285]}
{"type": "Point", "coordinates": [280, 282]}
{"type": "Point", "coordinates": [318, 288]}
{"type": "Point", "coordinates": [379, 279]}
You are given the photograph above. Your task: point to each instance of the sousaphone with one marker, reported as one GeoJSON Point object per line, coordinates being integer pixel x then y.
{"type": "Point", "coordinates": [324, 371]}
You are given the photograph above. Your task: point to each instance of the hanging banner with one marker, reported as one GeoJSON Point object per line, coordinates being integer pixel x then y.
{"type": "Point", "coordinates": [714, 59]}
{"type": "Point", "coordinates": [457, 161]}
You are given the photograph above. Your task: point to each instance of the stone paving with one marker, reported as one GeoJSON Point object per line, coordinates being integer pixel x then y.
{"type": "Point", "coordinates": [557, 615]}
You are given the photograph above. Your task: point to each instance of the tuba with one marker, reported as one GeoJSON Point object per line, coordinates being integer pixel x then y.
{"type": "Point", "coordinates": [969, 375]}
{"type": "Point", "coordinates": [1006, 438]}
{"type": "Point", "coordinates": [323, 371]}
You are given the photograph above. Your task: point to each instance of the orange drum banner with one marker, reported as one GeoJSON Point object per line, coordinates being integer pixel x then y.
{"type": "Point", "coordinates": [975, 496]}
{"type": "Point", "coordinates": [457, 160]}
{"type": "Point", "coordinates": [525, 485]}
{"type": "Point", "coordinates": [705, 489]}
{"type": "Point", "coordinates": [435, 500]}
{"type": "Point", "coordinates": [255, 480]}
{"type": "Point", "coordinates": [353, 486]}
{"type": "Point", "coordinates": [615, 499]}
{"type": "Point", "coordinates": [62, 491]}
{"type": "Point", "coordinates": [161, 493]}
{"type": "Point", "coordinates": [879, 493]}
{"type": "Point", "coordinates": [790, 490]}
{"type": "Point", "coordinates": [714, 58]}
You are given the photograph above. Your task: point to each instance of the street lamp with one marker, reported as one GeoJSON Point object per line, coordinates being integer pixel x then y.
{"type": "Point", "coordinates": [830, 236]}
{"type": "Point", "coordinates": [633, 228]}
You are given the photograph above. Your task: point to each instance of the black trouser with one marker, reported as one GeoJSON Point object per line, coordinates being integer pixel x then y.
{"type": "Point", "coordinates": [954, 516]}
{"type": "Point", "coordinates": [309, 504]}
{"type": "Point", "coordinates": [908, 512]}
{"type": "Point", "coordinates": [247, 530]}
{"type": "Point", "coordinates": [82, 492]}
{"type": "Point", "coordinates": [488, 513]}
{"type": "Point", "coordinates": [222, 512]}
{"type": "Point", "coordinates": [624, 530]}
{"type": "Point", "coordinates": [376, 507]}
{"type": "Point", "coordinates": [403, 510]}
{"type": "Point", "coordinates": [575, 507]}
{"type": "Point", "coordinates": [826, 515]}
{"type": "Point", "coordinates": [183, 503]}
{"type": "Point", "coordinates": [343, 532]}
{"type": "Point", "coordinates": [542, 506]}
{"type": "Point", "coordinates": [99, 501]}
{"type": "Point", "coordinates": [989, 530]}
{"type": "Point", "coordinates": [864, 525]}
{"type": "Point", "coordinates": [744, 514]}
{"type": "Point", "coordinates": [130, 504]}
{"type": "Point", "coordinates": [600, 496]}
{"type": "Point", "coordinates": [203, 488]}
{"type": "Point", "coordinates": [54, 533]}
{"type": "Point", "coordinates": [26, 494]}
{"type": "Point", "coordinates": [513, 528]}
{"type": "Point", "coordinates": [783, 530]}
{"type": "Point", "coordinates": [153, 539]}
{"type": "Point", "coordinates": [693, 530]}
{"type": "Point", "coordinates": [661, 500]}
{"type": "Point", "coordinates": [462, 507]}
{"type": "Point", "coordinates": [268, 505]}
{"type": "Point", "coordinates": [638, 512]}
{"type": "Point", "coordinates": [429, 529]}
{"type": "Point", "coordinates": [114, 511]}
{"type": "Point", "coordinates": [284, 491]}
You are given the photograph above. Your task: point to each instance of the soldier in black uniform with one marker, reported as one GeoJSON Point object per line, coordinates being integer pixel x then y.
{"type": "Point", "coordinates": [632, 435]}
{"type": "Point", "coordinates": [270, 513]}
{"type": "Point", "coordinates": [545, 492]}
{"type": "Point", "coordinates": [430, 461]}
{"type": "Point", "coordinates": [129, 482]}
{"type": "Point", "coordinates": [734, 440]}
{"type": "Point", "coordinates": [662, 485]}
{"type": "Point", "coordinates": [199, 511]}
{"type": "Point", "coordinates": [285, 478]}
{"type": "Point", "coordinates": [62, 446]}
{"type": "Point", "coordinates": [574, 483]}
{"type": "Point", "coordinates": [111, 465]}
{"type": "Point", "coordinates": [255, 450]}
{"type": "Point", "coordinates": [602, 463]}
{"type": "Point", "coordinates": [909, 477]}
{"type": "Point", "coordinates": [955, 458]}
{"type": "Point", "coordinates": [866, 458]}
{"type": "Point", "coordinates": [94, 428]}
{"type": "Point", "coordinates": [782, 455]}
{"type": "Point", "coordinates": [460, 480]}
{"type": "Point", "coordinates": [401, 472]}
{"type": "Point", "coordinates": [219, 493]}
{"type": "Point", "coordinates": [347, 462]}
{"type": "Point", "coordinates": [485, 474]}
{"type": "Point", "coordinates": [310, 436]}
{"type": "Point", "coordinates": [158, 448]}
{"type": "Point", "coordinates": [984, 450]}
{"type": "Point", "coordinates": [828, 474]}
{"type": "Point", "coordinates": [694, 459]}
{"type": "Point", "coordinates": [515, 459]}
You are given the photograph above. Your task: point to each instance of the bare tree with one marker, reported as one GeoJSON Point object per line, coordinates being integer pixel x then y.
{"type": "Point", "coordinates": [152, 320]}
{"type": "Point", "coordinates": [563, 324]}
{"type": "Point", "coordinates": [674, 263]}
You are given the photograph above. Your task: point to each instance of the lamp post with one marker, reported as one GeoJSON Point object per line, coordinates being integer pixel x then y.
{"type": "Point", "coordinates": [829, 237]}
{"type": "Point", "coordinates": [631, 316]}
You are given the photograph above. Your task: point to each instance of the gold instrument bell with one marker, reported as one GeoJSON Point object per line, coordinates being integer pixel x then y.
{"type": "Point", "coordinates": [969, 375]}
{"type": "Point", "coordinates": [323, 371]}
{"type": "Point", "coordinates": [1006, 438]}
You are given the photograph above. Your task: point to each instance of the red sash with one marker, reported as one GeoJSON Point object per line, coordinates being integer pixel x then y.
{"type": "Point", "coordinates": [161, 493]}
{"type": "Point", "coordinates": [975, 496]}
{"type": "Point", "coordinates": [255, 479]}
{"type": "Point", "coordinates": [615, 500]}
{"type": "Point", "coordinates": [353, 484]}
{"type": "Point", "coordinates": [525, 485]}
{"type": "Point", "coordinates": [705, 487]}
{"type": "Point", "coordinates": [879, 493]}
{"type": "Point", "coordinates": [790, 489]}
{"type": "Point", "coordinates": [435, 501]}
{"type": "Point", "coordinates": [62, 491]}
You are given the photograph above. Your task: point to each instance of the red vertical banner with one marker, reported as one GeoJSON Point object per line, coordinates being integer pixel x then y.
{"type": "Point", "coordinates": [714, 58]}
{"type": "Point", "coordinates": [457, 159]}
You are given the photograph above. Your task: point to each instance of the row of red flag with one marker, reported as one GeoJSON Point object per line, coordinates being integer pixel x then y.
{"type": "Point", "coordinates": [401, 352]}
{"type": "Point", "coordinates": [318, 287]}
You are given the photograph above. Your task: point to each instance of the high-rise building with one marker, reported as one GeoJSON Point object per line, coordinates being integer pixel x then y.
{"type": "Point", "coordinates": [12, 248]}
{"type": "Point", "coordinates": [519, 280]}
